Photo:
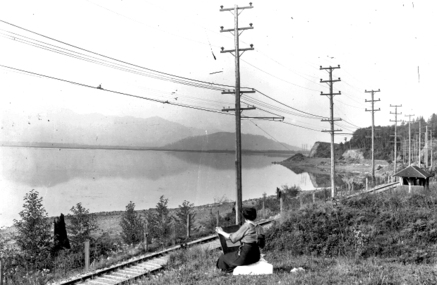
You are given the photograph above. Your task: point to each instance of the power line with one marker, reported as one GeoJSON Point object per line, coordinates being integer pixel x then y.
{"type": "Point", "coordinates": [287, 105]}
{"type": "Point", "coordinates": [29, 73]}
{"type": "Point", "coordinates": [286, 81]}
{"type": "Point", "coordinates": [269, 135]}
{"type": "Point", "coordinates": [95, 60]}
{"type": "Point", "coordinates": [81, 56]}
{"type": "Point", "coordinates": [116, 92]}
{"type": "Point", "coordinates": [117, 60]}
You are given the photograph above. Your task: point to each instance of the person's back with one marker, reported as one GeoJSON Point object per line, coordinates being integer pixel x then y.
{"type": "Point", "coordinates": [248, 251]}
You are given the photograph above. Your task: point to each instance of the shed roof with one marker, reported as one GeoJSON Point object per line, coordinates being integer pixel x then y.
{"type": "Point", "coordinates": [413, 171]}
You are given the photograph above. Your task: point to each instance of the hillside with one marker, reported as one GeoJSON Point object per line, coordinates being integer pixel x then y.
{"type": "Point", "coordinates": [226, 141]}
{"type": "Point", "coordinates": [64, 126]}
{"type": "Point", "coordinates": [384, 138]}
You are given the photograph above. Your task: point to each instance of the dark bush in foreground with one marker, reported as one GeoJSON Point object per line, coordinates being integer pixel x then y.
{"type": "Point", "coordinates": [398, 226]}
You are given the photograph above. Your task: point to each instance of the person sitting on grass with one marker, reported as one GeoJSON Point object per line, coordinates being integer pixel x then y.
{"type": "Point", "coordinates": [249, 252]}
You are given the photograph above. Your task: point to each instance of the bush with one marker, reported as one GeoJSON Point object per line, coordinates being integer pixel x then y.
{"type": "Point", "coordinates": [132, 225]}
{"type": "Point", "coordinates": [33, 233]}
{"type": "Point", "coordinates": [388, 226]}
{"type": "Point", "coordinates": [182, 213]}
{"type": "Point", "coordinates": [82, 225]}
{"type": "Point", "coordinates": [160, 221]}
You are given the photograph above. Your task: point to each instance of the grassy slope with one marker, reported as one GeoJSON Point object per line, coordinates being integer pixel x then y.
{"type": "Point", "coordinates": [196, 267]}
{"type": "Point", "coordinates": [396, 244]}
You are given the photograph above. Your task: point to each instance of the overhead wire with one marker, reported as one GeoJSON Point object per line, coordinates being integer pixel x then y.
{"type": "Point", "coordinates": [118, 60]}
{"type": "Point", "coordinates": [270, 135]}
{"type": "Point", "coordinates": [288, 106]}
{"type": "Point", "coordinates": [81, 56]}
{"type": "Point", "coordinates": [258, 51]}
{"type": "Point", "coordinates": [98, 61]}
{"type": "Point", "coordinates": [39, 75]}
{"type": "Point", "coordinates": [210, 85]}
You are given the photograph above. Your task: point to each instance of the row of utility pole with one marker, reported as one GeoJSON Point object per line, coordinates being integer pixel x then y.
{"type": "Point", "coordinates": [237, 52]}
{"type": "Point", "coordinates": [395, 136]}
{"type": "Point", "coordinates": [373, 110]}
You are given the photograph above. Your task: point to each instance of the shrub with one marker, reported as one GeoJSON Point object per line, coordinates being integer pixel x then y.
{"type": "Point", "coordinates": [33, 233]}
{"type": "Point", "coordinates": [132, 225]}
{"type": "Point", "coordinates": [389, 226]}
{"type": "Point", "coordinates": [160, 221]}
{"type": "Point", "coordinates": [82, 225]}
{"type": "Point", "coordinates": [182, 213]}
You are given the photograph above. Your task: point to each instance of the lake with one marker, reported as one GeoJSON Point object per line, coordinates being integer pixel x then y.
{"type": "Point", "coordinates": [106, 180]}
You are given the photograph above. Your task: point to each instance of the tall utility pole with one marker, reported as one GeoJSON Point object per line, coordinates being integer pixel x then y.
{"type": "Point", "coordinates": [431, 147]}
{"type": "Point", "coordinates": [396, 138]}
{"type": "Point", "coordinates": [409, 137]}
{"type": "Point", "coordinates": [420, 141]}
{"type": "Point", "coordinates": [331, 95]}
{"type": "Point", "coordinates": [373, 127]}
{"type": "Point", "coordinates": [425, 154]}
{"type": "Point", "coordinates": [236, 53]}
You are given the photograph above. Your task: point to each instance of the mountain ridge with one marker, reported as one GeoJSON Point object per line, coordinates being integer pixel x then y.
{"type": "Point", "coordinates": [225, 141]}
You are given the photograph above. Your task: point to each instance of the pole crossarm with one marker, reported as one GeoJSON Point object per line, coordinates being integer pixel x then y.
{"type": "Point", "coordinates": [241, 92]}
{"type": "Point", "coordinates": [377, 100]}
{"type": "Point", "coordinates": [233, 30]}
{"type": "Point", "coordinates": [332, 120]}
{"type": "Point", "coordinates": [241, 109]}
{"type": "Point", "coordinates": [233, 9]}
{"type": "Point", "coordinates": [264, 118]}
{"type": "Point", "coordinates": [373, 110]}
{"type": "Point", "coordinates": [330, 67]}
{"type": "Point", "coordinates": [330, 81]}
{"type": "Point", "coordinates": [329, 94]}
{"type": "Point", "coordinates": [328, 131]}
{"type": "Point", "coordinates": [233, 50]}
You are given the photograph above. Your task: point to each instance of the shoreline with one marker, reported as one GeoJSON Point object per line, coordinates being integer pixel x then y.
{"type": "Point", "coordinates": [59, 146]}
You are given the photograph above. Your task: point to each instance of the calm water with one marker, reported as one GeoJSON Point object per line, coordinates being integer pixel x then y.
{"type": "Point", "coordinates": [106, 180]}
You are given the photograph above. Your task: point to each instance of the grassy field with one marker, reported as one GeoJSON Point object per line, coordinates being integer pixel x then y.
{"type": "Point", "coordinates": [198, 267]}
{"type": "Point", "coordinates": [375, 239]}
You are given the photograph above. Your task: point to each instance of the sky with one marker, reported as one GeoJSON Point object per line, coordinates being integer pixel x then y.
{"type": "Point", "coordinates": [380, 45]}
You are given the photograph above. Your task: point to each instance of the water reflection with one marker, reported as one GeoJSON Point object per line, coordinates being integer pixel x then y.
{"type": "Point", "coordinates": [49, 167]}
{"type": "Point", "coordinates": [106, 180]}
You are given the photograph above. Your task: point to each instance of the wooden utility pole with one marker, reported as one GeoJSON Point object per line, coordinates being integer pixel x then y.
{"type": "Point", "coordinates": [188, 226]}
{"type": "Point", "coordinates": [432, 154]}
{"type": "Point", "coordinates": [331, 95]}
{"type": "Point", "coordinates": [236, 53]}
{"type": "Point", "coordinates": [396, 138]}
{"type": "Point", "coordinates": [409, 138]}
{"type": "Point", "coordinates": [87, 255]}
{"type": "Point", "coordinates": [1, 272]}
{"type": "Point", "coordinates": [373, 127]}
{"type": "Point", "coordinates": [426, 148]}
{"type": "Point", "coordinates": [420, 141]}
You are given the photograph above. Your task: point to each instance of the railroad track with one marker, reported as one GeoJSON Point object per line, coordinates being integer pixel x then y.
{"type": "Point", "coordinates": [128, 271]}
{"type": "Point", "coordinates": [377, 189]}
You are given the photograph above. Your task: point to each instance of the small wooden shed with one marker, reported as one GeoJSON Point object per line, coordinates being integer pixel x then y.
{"type": "Point", "coordinates": [413, 175]}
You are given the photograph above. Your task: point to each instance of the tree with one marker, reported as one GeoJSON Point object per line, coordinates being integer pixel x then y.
{"type": "Point", "coordinates": [182, 213]}
{"type": "Point", "coordinates": [33, 231]}
{"type": "Point", "coordinates": [160, 220]}
{"type": "Point", "coordinates": [82, 224]}
{"type": "Point", "coordinates": [132, 225]}
{"type": "Point", "coordinates": [60, 235]}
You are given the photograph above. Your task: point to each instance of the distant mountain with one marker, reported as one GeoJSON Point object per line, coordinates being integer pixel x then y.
{"type": "Point", "coordinates": [226, 141]}
{"type": "Point", "coordinates": [67, 127]}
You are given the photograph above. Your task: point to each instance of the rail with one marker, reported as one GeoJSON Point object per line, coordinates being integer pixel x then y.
{"type": "Point", "coordinates": [124, 272]}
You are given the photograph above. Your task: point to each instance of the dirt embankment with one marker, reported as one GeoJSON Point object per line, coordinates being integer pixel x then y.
{"type": "Point", "coordinates": [350, 163]}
